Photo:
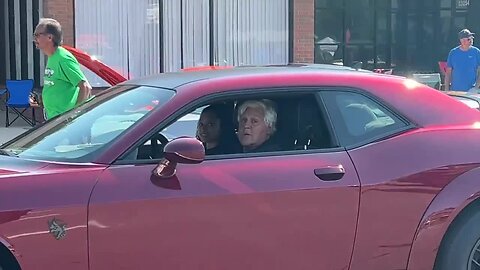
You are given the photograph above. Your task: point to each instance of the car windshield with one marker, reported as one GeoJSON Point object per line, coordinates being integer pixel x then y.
{"type": "Point", "coordinates": [75, 135]}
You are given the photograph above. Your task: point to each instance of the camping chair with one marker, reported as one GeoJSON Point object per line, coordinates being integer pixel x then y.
{"type": "Point", "coordinates": [2, 92]}
{"type": "Point", "coordinates": [18, 100]}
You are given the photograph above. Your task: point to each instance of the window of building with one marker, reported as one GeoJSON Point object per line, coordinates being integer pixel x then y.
{"type": "Point", "coordinates": [346, 32]}
{"type": "Point", "coordinates": [408, 36]}
{"type": "Point", "coordinates": [123, 34]}
{"type": "Point", "coordinates": [145, 37]}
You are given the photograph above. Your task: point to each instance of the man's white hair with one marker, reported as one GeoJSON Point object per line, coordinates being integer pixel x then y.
{"type": "Point", "coordinates": [268, 108]}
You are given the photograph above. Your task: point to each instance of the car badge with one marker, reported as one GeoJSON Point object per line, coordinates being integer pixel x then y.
{"type": "Point", "coordinates": [57, 228]}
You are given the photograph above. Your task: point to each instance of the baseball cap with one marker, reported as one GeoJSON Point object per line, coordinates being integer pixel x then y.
{"type": "Point", "coordinates": [465, 33]}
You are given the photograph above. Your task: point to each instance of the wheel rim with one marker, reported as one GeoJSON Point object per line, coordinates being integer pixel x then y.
{"type": "Point", "coordinates": [474, 258]}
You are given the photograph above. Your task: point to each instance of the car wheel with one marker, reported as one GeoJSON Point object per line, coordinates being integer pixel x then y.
{"type": "Point", "coordinates": [460, 249]}
{"type": "Point", "coordinates": [7, 260]}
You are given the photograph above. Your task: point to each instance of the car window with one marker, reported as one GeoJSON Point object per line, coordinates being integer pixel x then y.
{"type": "Point", "coordinates": [299, 125]}
{"type": "Point", "coordinates": [184, 126]}
{"type": "Point", "coordinates": [358, 118]}
{"type": "Point", "coordinates": [83, 130]}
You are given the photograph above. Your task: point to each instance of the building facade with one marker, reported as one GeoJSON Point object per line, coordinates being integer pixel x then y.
{"type": "Point", "coordinates": [143, 37]}
{"type": "Point", "coordinates": [406, 35]}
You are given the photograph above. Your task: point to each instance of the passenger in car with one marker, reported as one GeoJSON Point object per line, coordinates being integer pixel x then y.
{"type": "Point", "coordinates": [257, 121]}
{"type": "Point", "coordinates": [215, 130]}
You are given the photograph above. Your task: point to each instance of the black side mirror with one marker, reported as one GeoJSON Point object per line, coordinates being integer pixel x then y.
{"type": "Point", "coordinates": [181, 150]}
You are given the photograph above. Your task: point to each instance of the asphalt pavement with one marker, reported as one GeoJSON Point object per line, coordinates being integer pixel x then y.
{"type": "Point", "coordinates": [12, 131]}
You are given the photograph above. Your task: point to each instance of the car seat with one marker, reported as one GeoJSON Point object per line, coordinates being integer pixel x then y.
{"type": "Point", "coordinates": [312, 132]}
{"type": "Point", "coordinates": [357, 117]}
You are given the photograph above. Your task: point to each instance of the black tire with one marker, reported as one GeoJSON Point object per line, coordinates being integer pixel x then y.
{"type": "Point", "coordinates": [7, 261]}
{"type": "Point", "coordinates": [457, 247]}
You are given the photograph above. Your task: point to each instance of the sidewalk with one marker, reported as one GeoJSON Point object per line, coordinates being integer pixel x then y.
{"type": "Point", "coordinates": [11, 132]}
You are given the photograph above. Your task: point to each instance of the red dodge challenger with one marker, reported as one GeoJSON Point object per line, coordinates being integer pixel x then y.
{"type": "Point", "coordinates": [371, 172]}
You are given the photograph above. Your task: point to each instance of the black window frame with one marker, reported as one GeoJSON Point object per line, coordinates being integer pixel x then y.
{"type": "Point", "coordinates": [242, 94]}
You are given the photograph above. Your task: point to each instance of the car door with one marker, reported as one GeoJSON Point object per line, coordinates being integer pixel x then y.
{"type": "Point", "coordinates": [397, 187]}
{"type": "Point", "coordinates": [292, 209]}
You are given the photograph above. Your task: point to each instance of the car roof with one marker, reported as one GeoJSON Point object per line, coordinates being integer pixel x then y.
{"type": "Point", "coordinates": [417, 102]}
{"type": "Point", "coordinates": [173, 80]}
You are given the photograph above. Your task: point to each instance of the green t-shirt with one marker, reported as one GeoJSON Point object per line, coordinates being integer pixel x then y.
{"type": "Point", "coordinates": [60, 82]}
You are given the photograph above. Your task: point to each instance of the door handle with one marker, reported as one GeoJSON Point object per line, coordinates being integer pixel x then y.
{"type": "Point", "coordinates": [330, 173]}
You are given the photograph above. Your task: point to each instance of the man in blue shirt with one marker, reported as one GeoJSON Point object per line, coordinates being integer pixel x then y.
{"type": "Point", "coordinates": [463, 65]}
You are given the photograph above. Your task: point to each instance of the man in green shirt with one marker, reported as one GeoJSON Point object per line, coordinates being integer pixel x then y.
{"type": "Point", "coordinates": [64, 84]}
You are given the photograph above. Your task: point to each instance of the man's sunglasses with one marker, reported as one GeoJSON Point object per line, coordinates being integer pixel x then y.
{"type": "Point", "coordinates": [36, 35]}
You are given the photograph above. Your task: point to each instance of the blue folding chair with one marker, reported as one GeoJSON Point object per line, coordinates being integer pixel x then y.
{"type": "Point", "coordinates": [18, 100]}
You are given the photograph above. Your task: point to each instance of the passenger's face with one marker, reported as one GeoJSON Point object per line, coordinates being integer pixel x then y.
{"type": "Point", "coordinates": [252, 129]}
{"type": "Point", "coordinates": [208, 128]}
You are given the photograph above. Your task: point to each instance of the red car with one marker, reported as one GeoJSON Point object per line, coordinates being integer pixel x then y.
{"type": "Point", "coordinates": [372, 172]}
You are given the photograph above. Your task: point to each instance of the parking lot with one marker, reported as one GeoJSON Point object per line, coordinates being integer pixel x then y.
{"type": "Point", "coordinates": [16, 129]}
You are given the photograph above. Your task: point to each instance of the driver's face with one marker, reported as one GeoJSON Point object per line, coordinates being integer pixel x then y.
{"type": "Point", "coordinates": [252, 129]}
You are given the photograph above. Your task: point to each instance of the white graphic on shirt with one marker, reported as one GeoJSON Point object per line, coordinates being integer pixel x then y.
{"type": "Point", "coordinates": [48, 74]}
{"type": "Point", "coordinates": [48, 83]}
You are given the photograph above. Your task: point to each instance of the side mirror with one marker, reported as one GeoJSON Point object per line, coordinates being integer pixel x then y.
{"type": "Point", "coordinates": [181, 150]}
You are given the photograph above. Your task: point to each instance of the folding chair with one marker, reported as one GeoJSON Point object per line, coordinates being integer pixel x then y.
{"type": "Point", "coordinates": [18, 100]}
{"type": "Point", "coordinates": [2, 92]}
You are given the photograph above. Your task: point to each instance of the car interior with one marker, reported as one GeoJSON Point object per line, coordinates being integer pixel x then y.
{"type": "Point", "coordinates": [300, 126]}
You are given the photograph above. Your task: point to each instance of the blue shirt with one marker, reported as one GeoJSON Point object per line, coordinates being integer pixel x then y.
{"type": "Point", "coordinates": [464, 66]}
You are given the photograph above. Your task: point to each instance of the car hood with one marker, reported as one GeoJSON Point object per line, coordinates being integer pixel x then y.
{"type": "Point", "coordinates": [13, 165]}
{"type": "Point", "coordinates": [103, 71]}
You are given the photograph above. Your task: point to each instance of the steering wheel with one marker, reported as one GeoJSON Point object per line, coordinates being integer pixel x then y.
{"type": "Point", "coordinates": [157, 143]}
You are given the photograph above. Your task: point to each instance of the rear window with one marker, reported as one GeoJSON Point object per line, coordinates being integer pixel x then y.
{"type": "Point", "coordinates": [358, 118]}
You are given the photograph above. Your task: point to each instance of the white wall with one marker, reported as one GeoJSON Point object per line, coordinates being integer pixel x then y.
{"type": "Point", "coordinates": [125, 34]}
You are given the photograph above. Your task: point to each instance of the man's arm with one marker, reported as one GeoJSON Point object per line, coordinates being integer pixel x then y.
{"type": "Point", "coordinates": [477, 83]}
{"type": "Point", "coordinates": [448, 76]}
{"type": "Point", "coordinates": [85, 91]}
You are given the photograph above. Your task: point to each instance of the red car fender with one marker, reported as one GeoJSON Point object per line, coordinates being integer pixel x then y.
{"type": "Point", "coordinates": [103, 71]}
{"type": "Point", "coordinates": [443, 210]}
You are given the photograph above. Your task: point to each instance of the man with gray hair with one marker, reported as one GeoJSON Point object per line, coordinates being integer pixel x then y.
{"type": "Point", "coordinates": [257, 121]}
{"type": "Point", "coordinates": [64, 84]}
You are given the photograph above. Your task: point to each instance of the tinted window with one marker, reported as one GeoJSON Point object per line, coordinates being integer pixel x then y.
{"type": "Point", "coordinates": [357, 118]}
{"type": "Point", "coordinates": [300, 125]}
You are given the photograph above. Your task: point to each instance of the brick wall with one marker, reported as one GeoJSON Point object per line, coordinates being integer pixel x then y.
{"type": "Point", "coordinates": [303, 43]}
{"type": "Point", "coordinates": [62, 11]}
